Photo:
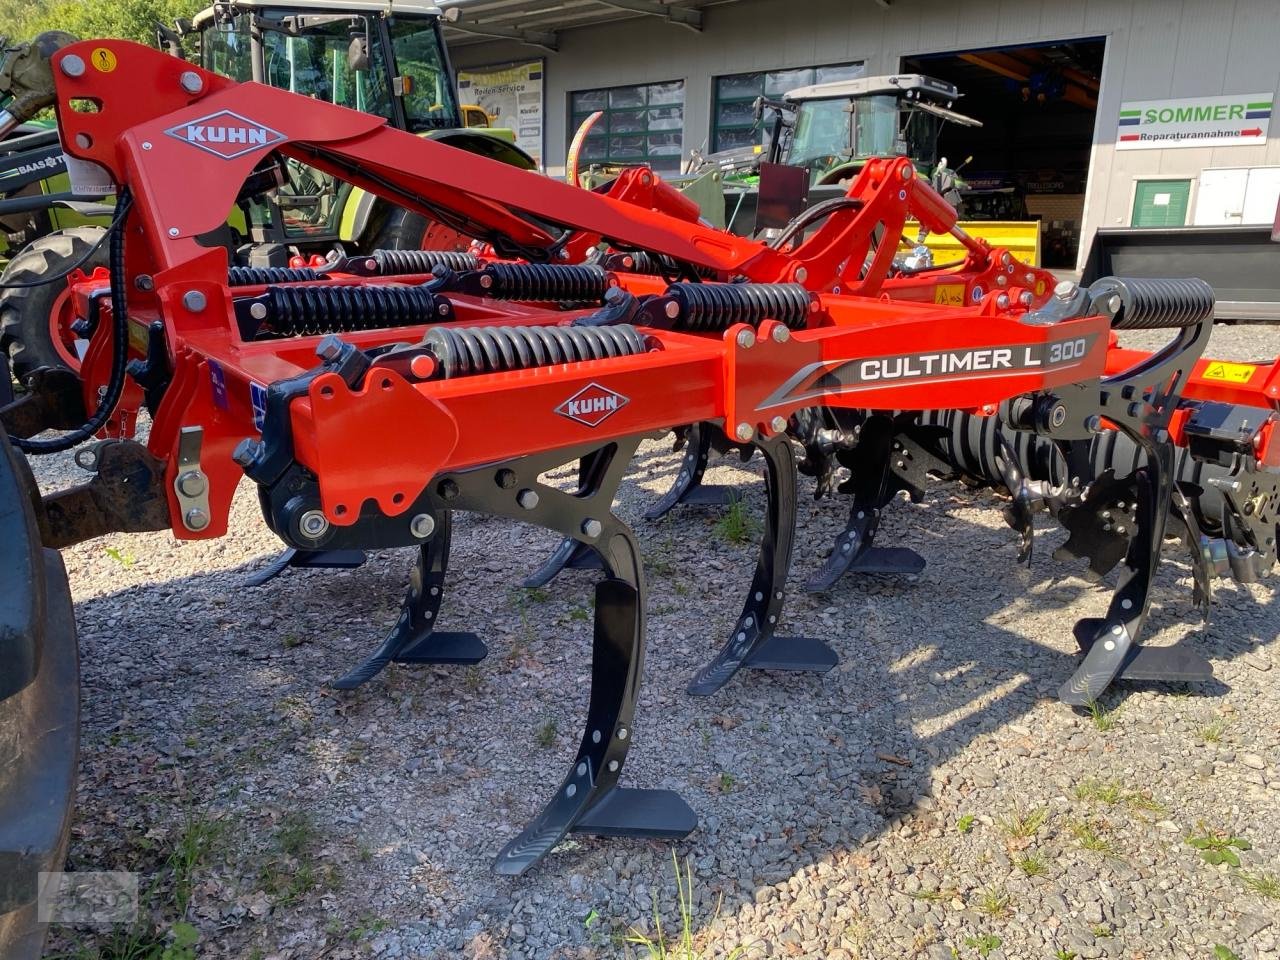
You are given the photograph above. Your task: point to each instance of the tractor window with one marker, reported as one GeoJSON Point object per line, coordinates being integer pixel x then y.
{"type": "Point", "coordinates": [224, 49]}
{"type": "Point", "coordinates": [429, 100]}
{"type": "Point", "coordinates": [877, 127]}
{"type": "Point", "coordinates": [821, 133]}
{"type": "Point", "coordinates": [313, 63]}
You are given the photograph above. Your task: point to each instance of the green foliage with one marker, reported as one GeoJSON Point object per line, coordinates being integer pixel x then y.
{"type": "Point", "coordinates": [1263, 884]}
{"type": "Point", "coordinates": [965, 823]}
{"type": "Point", "coordinates": [1024, 826]}
{"type": "Point", "coordinates": [681, 946]}
{"type": "Point", "coordinates": [1219, 848]}
{"type": "Point", "coordinates": [738, 525]}
{"type": "Point", "coordinates": [1224, 953]}
{"type": "Point", "coordinates": [130, 19]}
{"type": "Point", "coordinates": [983, 944]}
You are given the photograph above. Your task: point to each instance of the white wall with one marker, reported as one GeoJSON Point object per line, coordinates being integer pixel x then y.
{"type": "Point", "coordinates": [1155, 49]}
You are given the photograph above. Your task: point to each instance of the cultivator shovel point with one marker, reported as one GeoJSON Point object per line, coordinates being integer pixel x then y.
{"type": "Point", "coordinates": [371, 401]}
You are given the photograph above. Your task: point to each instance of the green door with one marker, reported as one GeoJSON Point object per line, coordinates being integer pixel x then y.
{"type": "Point", "coordinates": [1160, 203]}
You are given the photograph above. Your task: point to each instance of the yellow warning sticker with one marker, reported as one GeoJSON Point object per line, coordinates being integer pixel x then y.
{"type": "Point", "coordinates": [1228, 372]}
{"type": "Point", "coordinates": [103, 59]}
{"type": "Point", "coordinates": [950, 294]}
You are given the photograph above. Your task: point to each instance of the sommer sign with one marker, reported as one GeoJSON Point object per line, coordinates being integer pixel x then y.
{"type": "Point", "coordinates": [1224, 121]}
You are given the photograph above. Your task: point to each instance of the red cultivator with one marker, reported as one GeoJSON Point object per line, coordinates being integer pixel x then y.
{"type": "Point", "coordinates": [370, 400]}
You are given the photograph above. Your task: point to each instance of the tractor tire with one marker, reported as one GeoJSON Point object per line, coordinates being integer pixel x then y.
{"type": "Point", "coordinates": [396, 229]}
{"type": "Point", "coordinates": [39, 712]}
{"type": "Point", "coordinates": [35, 321]}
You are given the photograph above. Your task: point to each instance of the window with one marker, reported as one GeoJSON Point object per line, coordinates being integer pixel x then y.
{"type": "Point", "coordinates": [1160, 203]}
{"type": "Point", "coordinates": [732, 117]}
{"type": "Point", "coordinates": [641, 124]}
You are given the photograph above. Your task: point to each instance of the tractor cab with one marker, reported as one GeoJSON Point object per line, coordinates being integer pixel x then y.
{"type": "Point", "coordinates": [386, 58]}
{"type": "Point", "coordinates": [832, 129]}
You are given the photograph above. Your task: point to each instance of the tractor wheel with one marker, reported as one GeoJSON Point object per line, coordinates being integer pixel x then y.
{"type": "Point", "coordinates": [401, 229]}
{"type": "Point", "coordinates": [35, 322]}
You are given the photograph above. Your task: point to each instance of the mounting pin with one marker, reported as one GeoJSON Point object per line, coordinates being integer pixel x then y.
{"type": "Point", "coordinates": [192, 483]}
{"type": "Point", "coordinates": [745, 431]}
{"type": "Point", "coordinates": [191, 81]}
{"type": "Point", "coordinates": [195, 519]}
{"type": "Point", "coordinates": [781, 333]}
{"type": "Point", "coordinates": [422, 526]}
{"type": "Point", "coordinates": [194, 301]}
{"type": "Point", "coordinates": [313, 524]}
{"type": "Point", "coordinates": [72, 65]}
{"type": "Point", "coordinates": [746, 339]}
{"type": "Point", "coordinates": [779, 424]}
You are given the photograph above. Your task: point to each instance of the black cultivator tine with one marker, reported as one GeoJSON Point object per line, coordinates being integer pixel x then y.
{"type": "Point", "coordinates": [589, 799]}
{"type": "Point", "coordinates": [569, 554]}
{"type": "Point", "coordinates": [1193, 539]}
{"type": "Point", "coordinates": [688, 486]}
{"type": "Point", "coordinates": [884, 462]}
{"type": "Point", "coordinates": [306, 560]}
{"type": "Point", "coordinates": [413, 638]}
{"type": "Point", "coordinates": [754, 643]}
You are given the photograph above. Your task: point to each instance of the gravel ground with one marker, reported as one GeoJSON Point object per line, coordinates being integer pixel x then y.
{"type": "Point", "coordinates": [928, 798]}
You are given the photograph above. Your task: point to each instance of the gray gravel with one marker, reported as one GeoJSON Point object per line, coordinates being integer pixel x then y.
{"type": "Point", "coordinates": [832, 809]}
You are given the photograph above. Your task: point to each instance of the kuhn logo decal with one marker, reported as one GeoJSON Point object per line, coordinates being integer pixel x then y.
{"type": "Point", "coordinates": [592, 405]}
{"type": "Point", "coordinates": [225, 134]}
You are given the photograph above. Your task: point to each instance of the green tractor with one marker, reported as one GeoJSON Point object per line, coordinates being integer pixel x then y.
{"type": "Point", "coordinates": [384, 57]}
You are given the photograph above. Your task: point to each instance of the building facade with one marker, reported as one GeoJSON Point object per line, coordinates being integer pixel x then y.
{"type": "Point", "coordinates": [1192, 80]}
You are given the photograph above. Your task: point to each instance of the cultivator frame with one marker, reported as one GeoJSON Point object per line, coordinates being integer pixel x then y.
{"type": "Point", "coordinates": [461, 388]}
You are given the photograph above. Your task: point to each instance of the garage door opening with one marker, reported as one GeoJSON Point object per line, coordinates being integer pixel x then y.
{"type": "Point", "coordinates": [1030, 158]}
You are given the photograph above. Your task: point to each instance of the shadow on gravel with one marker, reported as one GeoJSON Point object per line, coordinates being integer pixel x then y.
{"type": "Point", "coordinates": [434, 768]}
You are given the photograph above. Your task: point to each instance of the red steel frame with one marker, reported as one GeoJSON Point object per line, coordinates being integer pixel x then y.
{"type": "Point", "coordinates": [354, 441]}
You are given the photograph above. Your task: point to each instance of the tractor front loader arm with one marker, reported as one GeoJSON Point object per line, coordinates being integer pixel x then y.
{"type": "Point", "coordinates": [26, 78]}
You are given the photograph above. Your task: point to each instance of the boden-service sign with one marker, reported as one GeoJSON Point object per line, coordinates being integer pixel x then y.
{"type": "Point", "coordinates": [1226, 121]}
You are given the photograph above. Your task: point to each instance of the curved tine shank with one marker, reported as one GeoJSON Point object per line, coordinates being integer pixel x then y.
{"type": "Point", "coordinates": [569, 553]}
{"type": "Point", "coordinates": [697, 450]}
{"type": "Point", "coordinates": [412, 639]}
{"type": "Point", "coordinates": [753, 643]}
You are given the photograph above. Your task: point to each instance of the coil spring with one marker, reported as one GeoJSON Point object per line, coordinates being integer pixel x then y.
{"type": "Point", "coordinates": [394, 263]}
{"type": "Point", "coordinates": [1150, 304]}
{"type": "Point", "coordinates": [642, 261]}
{"type": "Point", "coordinates": [717, 306]}
{"type": "Point", "coordinates": [312, 310]}
{"type": "Point", "coordinates": [544, 281]}
{"type": "Point", "coordinates": [252, 276]}
{"type": "Point", "coordinates": [463, 351]}
{"type": "Point", "coordinates": [972, 443]}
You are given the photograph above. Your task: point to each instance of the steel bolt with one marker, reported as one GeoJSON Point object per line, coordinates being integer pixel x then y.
{"type": "Point", "coordinates": [422, 526]}
{"type": "Point", "coordinates": [191, 81]}
{"type": "Point", "coordinates": [1002, 301]}
{"type": "Point", "coordinates": [527, 499]}
{"type": "Point", "coordinates": [745, 431]}
{"type": "Point", "coordinates": [781, 333]}
{"type": "Point", "coordinates": [977, 294]}
{"type": "Point", "coordinates": [196, 519]}
{"type": "Point", "coordinates": [258, 311]}
{"type": "Point", "coordinates": [313, 524]}
{"type": "Point", "coordinates": [1002, 281]}
{"type": "Point", "coordinates": [1057, 415]}
{"type": "Point", "coordinates": [144, 282]}
{"type": "Point", "coordinates": [779, 424]}
{"type": "Point", "coordinates": [1094, 424]}
{"type": "Point", "coordinates": [72, 66]}
{"type": "Point", "coordinates": [505, 478]}
{"type": "Point", "coordinates": [174, 231]}
{"type": "Point", "coordinates": [746, 339]}
{"type": "Point", "coordinates": [194, 301]}
{"type": "Point", "coordinates": [801, 274]}
{"type": "Point", "coordinates": [330, 348]}
{"type": "Point", "coordinates": [1114, 303]}
{"type": "Point", "coordinates": [591, 528]}
{"type": "Point", "coordinates": [192, 484]}
{"type": "Point", "coordinates": [246, 452]}
{"type": "Point", "coordinates": [1065, 290]}
{"type": "Point", "coordinates": [908, 171]}
{"type": "Point", "coordinates": [1025, 298]}
{"type": "Point", "coordinates": [672, 310]}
